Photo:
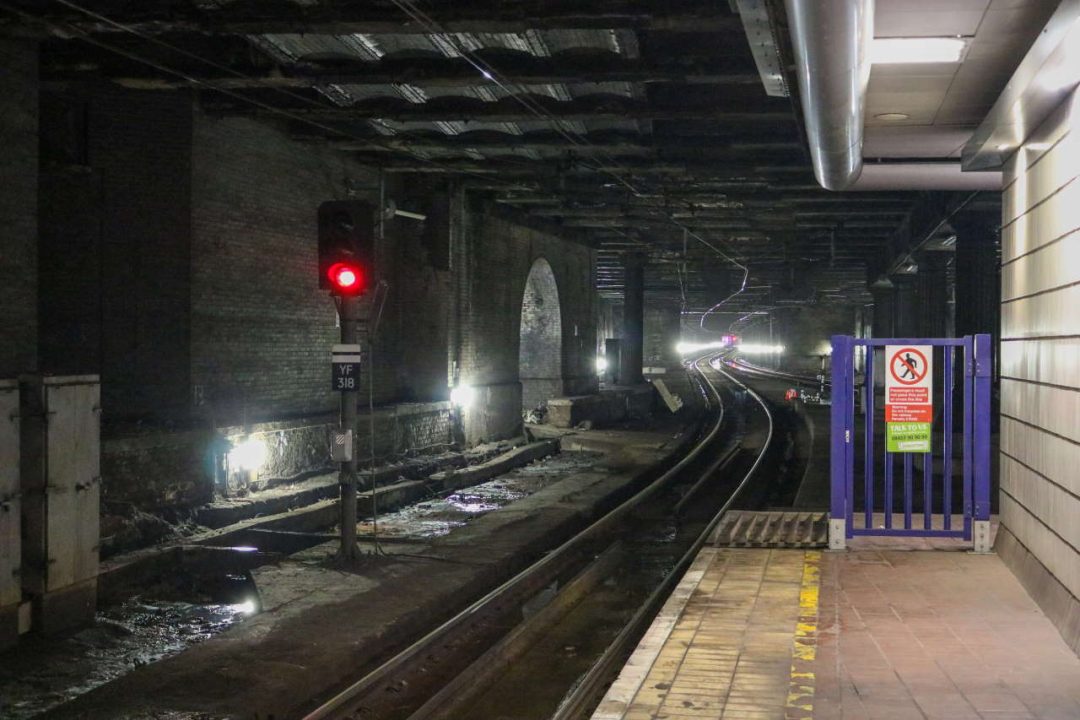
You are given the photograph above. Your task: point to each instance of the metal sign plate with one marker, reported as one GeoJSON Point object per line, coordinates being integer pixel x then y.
{"type": "Point", "coordinates": [909, 405]}
{"type": "Point", "coordinates": [345, 361]}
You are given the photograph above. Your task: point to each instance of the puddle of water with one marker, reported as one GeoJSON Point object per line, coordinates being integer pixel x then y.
{"type": "Point", "coordinates": [438, 516]}
{"type": "Point", "coordinates": [45, 672]}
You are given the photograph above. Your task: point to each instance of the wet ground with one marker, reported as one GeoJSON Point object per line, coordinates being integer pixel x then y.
{"type": "Point", "coordinates": [439, 516]}
{"type": "Point", "coordinates": [46, 672]}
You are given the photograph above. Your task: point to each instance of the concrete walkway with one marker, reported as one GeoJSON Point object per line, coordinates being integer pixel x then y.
{"type": "Point", "coordinates": [871, 633]}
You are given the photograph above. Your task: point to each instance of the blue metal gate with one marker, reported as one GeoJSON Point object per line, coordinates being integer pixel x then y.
{"type": "Point", "coordinates": [876, 506]}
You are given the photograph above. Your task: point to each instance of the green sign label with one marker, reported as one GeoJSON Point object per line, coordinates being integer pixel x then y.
{"type": "Point", "coordinates": [907, 437]}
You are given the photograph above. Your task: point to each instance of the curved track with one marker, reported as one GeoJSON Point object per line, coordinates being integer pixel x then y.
{"type": "Point", "coordinates": [427, 680]}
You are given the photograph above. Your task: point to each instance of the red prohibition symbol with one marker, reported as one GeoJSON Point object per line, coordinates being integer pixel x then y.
{"type": "Point", "coordinates": [908, 366]}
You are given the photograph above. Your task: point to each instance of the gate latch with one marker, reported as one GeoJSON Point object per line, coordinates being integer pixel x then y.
{"type": "Point", "coordinates": [847, 436]}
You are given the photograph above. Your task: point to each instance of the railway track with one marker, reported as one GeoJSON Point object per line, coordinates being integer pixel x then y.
{"type": "Point", "coordinates": [546, 642]}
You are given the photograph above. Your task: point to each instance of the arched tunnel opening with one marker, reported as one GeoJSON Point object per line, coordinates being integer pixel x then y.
{"type": "Point", "coordinates": [540, 347]}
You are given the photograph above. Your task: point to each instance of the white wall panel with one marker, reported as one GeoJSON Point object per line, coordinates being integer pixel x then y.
{"type": "Point", "coordinates": [1055, 313]}
{"type": "Point", "coordinates": [1053, 361]}
{"type": "Point", "coordinates": [1053, 456]}
{"type": "Point", "coordinates": [1051, 220]}
{"type": "Point", "coordinates": [1052, 266]}
{"type": "Point", "coordinates": [1047, 501]}
{"type": "Point", "coordinates": [1041, 168]}
{"type": "Point", "coordinates": [1040, 348]}
{"type": "Point", "coordinates": [1058, 557]}
{"type": "Point", "coordinates": [1052, 408]}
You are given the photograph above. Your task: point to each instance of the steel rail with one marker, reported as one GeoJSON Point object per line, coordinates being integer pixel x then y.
{"type": "Point", "coordinates": [337, 704]}
{"type": "Point", "coordinates": [584, 694]}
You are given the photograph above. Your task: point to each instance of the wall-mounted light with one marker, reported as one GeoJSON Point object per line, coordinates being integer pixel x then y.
{"type": "Point", "coordinates": [905, 50]}
{"type": "Point", "coordinates": [462, 396]}
{"type": "Point", "coordinates": [248, 454]}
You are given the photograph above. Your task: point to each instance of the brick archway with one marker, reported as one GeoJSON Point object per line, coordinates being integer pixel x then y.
{"type": "Point", "coordinates": [541, 339]}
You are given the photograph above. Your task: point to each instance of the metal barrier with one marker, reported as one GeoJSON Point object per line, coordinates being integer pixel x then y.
{"type": "Point", "coordinates": [917, 407]}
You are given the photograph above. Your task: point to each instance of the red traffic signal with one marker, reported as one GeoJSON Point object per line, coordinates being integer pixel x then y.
{"type": "Point", "coordinates": [346, 247]}
{"type": "Point", "coordinates": [346, 279]}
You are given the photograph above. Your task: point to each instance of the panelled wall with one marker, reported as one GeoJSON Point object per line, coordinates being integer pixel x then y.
{"type": "Point", "coordinates": [1040, 367]}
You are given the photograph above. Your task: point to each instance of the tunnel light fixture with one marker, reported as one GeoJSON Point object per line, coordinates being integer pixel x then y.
{"type": "Point", "coordinates": [893, 116]}
{"type": "Point", "coordinates": [462, 396]}
{"type": "Point", "coordinates": [248, 454]}
{"type": "Point", "coordinates": [911, 50]}
{"type": "Point", "coordinates": [688, 348]}
{"type": "Point", "coordinates": [601, 364]}
{"type": "Point", "coordinates": [248, 607]}
{"type": "Point", "coordinates": [759, 349]}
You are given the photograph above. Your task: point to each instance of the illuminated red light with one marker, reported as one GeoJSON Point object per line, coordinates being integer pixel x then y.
{"type": "Point", "coordinates": [345, 277]}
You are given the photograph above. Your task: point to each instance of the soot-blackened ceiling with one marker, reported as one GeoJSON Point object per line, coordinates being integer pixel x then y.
{"type": "Point", "coordinates": [642, 124]}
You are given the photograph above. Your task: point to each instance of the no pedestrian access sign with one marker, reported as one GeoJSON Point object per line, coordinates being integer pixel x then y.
{"type": "Point", "coordinates": [909, 404]}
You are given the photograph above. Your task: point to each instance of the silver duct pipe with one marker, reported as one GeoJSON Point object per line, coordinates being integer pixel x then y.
{"type": "Point", "coordinates": [945, 175]}
{"type": "Point", "coordinates": [831, 39]}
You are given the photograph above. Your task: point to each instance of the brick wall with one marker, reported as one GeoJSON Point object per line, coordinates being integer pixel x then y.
{"type": "Point", "coordinates": [261, 328]}
{"type": "Point", "coordinates": [18, 206]}
{"type": "Point", "coordinates": [662, 330]}
{"type": "Point", "coordinates": [115, 225]}
{"type": "Point", "coordinates": [499, 253]}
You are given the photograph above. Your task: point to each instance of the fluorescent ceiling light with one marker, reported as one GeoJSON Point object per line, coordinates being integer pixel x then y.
{"type": "Point", "coordinates": [917, 50]}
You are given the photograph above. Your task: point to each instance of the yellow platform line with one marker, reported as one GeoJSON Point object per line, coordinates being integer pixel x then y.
{"type": "Point", "coordinates": [800, 699]}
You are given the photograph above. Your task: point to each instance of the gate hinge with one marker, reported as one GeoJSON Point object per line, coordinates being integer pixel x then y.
{"type": "Point", "coordinates": [847, 436]}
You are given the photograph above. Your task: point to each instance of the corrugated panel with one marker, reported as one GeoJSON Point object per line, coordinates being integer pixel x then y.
{"type": "Point", "coordinates": [290, 47]}
{"type": "Point", "coordinates": [772, 529]}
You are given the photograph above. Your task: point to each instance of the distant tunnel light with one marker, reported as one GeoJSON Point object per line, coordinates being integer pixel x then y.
{"type": "Point", "coordinates": [755, 349]}
{"type": "Point", "coordinates": [248, 454]}
{"type": "Point", "coordinates": [601, 365]}
{"type": "Point", "coordinates": [462, 396]}
{"type": "Point", "coordinates": [917, 50]}
{"type": "Point", "coordinates": [688, 348]}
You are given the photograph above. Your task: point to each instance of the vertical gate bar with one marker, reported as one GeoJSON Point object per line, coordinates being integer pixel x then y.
{"type": "Point", "coordinates": [868, 481]}
{"type": "Point", "coordinates": [927, 476]}
{"type": "Point", "coordinates": [888, 489]}
{"type": "Point", "coordinates": [969, 372]}
{"type": "Point", "coordinates": [908, 457]}
{"type": "Point", "coordinates": [946, 471]}
{"type": "Point", "coordinates": [928, 459]}
{"type": "Point", "coordinates": [983, 359]}
{"type": "Point", "coordinates": [837, 463]}
{"type": "Point", "coordinates": [849, 460]}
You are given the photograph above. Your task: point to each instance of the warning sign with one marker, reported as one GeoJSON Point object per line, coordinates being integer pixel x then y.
{"type": "Point", "coordinates": [909, 408]}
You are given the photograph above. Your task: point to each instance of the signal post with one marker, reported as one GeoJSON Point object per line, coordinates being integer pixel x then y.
{"type": "Point", "coordinates": [346, 252]}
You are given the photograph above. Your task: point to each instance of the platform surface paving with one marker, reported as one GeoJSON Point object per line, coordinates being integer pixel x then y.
{"type": "Point", "coordinates": [873, 633]}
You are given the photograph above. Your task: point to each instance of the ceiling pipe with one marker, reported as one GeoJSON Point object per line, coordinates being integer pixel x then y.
{"type": "Point", "coordinates": [924, 176]}
{"type": "Point", "coordinates": [831, 40]}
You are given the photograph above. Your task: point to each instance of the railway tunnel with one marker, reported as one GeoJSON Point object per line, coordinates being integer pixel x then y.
{"type": "Point", "coordinates": [504, 359]}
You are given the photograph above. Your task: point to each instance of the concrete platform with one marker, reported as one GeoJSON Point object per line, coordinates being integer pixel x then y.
{"type": "Point", "coordinates": [875, 633]}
